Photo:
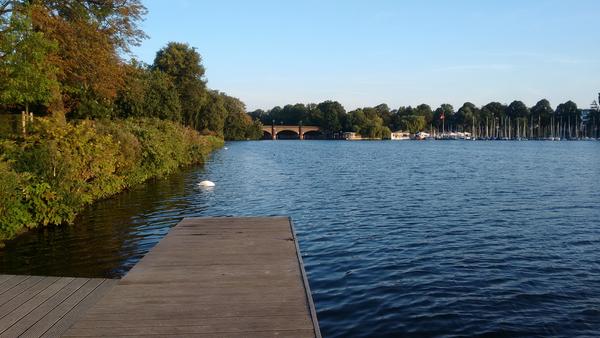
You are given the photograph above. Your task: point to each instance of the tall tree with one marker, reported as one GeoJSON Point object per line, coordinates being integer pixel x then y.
{"type": "Point", "coordinates": [331, 112]}
{"type": "Point", "coordinates": [443, 114]}
{"type": "Point", "coordinates": [425, 111]}
{"type": "Point", "coordinates": [27, 76]}
{"type": "Point", "coordinates": [542, 111]}
{"type": "Point", "coordinates": [90, 35]}
{"type": "Point", "coordinates": [466, 116]}
{"type": "Point", "coordinates": [517, 109]}
{"type": "Point", "coordinates": [184, 65]}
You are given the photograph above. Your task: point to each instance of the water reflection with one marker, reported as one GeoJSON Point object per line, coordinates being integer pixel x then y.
{"type": "Point", "coordinates": [108, 238]}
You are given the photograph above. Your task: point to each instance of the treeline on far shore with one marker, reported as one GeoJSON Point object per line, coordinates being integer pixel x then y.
{"type": "Point", "coordinates": [494, 120]}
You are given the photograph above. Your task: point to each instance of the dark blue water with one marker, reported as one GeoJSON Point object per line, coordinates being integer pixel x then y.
{"type": "Point", "coordinates": [415, 239]}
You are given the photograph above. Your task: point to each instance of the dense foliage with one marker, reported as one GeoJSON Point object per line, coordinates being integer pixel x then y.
{"type": "Point", "coordinates": [59, 167]}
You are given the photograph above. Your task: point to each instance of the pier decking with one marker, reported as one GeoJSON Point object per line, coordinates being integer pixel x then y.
{"type": "Point", "coordinates": [35, 306]}
{"type": "Point", "coordinates": [211, 277]}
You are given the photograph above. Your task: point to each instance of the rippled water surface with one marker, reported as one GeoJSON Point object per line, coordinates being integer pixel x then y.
{"type": "Point", "coordinates": [399, 238]}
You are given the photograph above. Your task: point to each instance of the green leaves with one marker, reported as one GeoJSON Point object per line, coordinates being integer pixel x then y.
{"type": "Point", "coordinates": [28, 77]}
{"type": "Point", "coordinates": [61, 167]}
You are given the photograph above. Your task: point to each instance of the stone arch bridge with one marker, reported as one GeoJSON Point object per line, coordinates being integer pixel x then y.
{"type": "Point", "coordinates": [276, 131]}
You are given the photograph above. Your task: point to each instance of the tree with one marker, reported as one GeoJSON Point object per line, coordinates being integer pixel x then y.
{"type": "Point", "coordinates": [148, 93]}
{"type": "Point", "coordinates": [213, 114]}
{"type": "Point", "coordinates": [130, 99]}
{"type": "Point", "coordinates": [517, 109]}
{"type": "Point", "coordinates": [183, 64]}
{"type": "Point", "coordinates": [567, 110]}
{"type": "Point", "coordinates": [446, 111]}
{"type": "Point", "coordinates": [162, 99]}
{"type": "Point", "coordinates": [425, 111]}
{"type": "Point", "coordinates": [413, 123]}
{"type": "Point", "coordinates": [90, 36]}
{"type": "Point", "coordinates": [331, 112]}
{"type": "Point", "coordinates": [383, 111]}
{"type": "Point", "coordinates": [117, 19]}
{"type": "Point", "coordinates": [237, 122]}
{"type": "Point", "coordinates": [28, 77]}
{"type": "Point", "coordinates": [494, 109]}
{"type": "Point", "coordinates": [542, 111]}
{"type": "Point", "coordinates": [465, 115]}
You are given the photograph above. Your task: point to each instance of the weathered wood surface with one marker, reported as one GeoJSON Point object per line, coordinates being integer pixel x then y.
{"type": "Point", "coordinates": [34, 306]}
{"type": "Point", "coordinates": [223, 277]}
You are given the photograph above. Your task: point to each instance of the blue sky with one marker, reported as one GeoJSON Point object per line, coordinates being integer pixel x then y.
{"type": "Point", "coordinates": [363, 53]}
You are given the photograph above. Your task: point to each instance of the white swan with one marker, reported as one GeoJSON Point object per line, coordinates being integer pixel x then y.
{"type": "Point", "coordinates": [206, 184]}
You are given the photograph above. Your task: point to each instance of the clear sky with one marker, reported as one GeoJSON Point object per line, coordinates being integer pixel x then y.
{"type": "Point", "coordinates": [363, 53]}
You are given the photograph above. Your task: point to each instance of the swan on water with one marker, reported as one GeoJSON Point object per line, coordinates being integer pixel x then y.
{"type": "Point", "coordinates": [206, 184]}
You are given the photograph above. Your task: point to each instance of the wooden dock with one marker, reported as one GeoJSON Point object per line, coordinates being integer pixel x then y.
{"type": "Point", "coordinates": [224, 277]}
{"type": "Point", "coordinates": [34, 306]}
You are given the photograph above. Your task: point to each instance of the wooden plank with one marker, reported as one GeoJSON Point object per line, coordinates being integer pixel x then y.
{"type": "Point", "coordinates": [264, 334]}
{"type": "Point", "coordinates": [195, 310]}
{"type": "Point", "coordinates": [47, 288]}
{"type": "Point", "coordinates": [4, 278]}
{"type": "Point", "coordinates": [11, 283]}
{"type": "Point", "coordinates": [179, 326]}
{"type": "Point", "coordinates": [19, 288]}
{"type": "Point", "coordinates": [72, 316]}
{"type": "Point", "coordinates": [211, 277]}
{"type": "Point", "coordinates": [56, 314]}
{"type": "Point", "coordinates": [39, 316]}
{"type": "Point", "coordinates": [35, 305]}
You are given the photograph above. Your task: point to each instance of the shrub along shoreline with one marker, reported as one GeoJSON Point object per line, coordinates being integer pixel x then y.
{"type": "Point", "coordinates": [59, 167]}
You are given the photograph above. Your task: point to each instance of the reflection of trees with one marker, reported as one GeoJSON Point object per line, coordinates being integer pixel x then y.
{"type": "Point", "coordinates": [108, 236]}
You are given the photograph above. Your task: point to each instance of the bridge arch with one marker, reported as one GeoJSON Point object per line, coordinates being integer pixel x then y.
{"type": "Point", "coordinates": [267, 135]}
{"type": "Point", "coordinates": [290, 132]}
{"type": "Point", "coordinates": [313, 135]}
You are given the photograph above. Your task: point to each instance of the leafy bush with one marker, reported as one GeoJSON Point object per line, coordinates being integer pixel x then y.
{"type": "Point", "coordinates": [59, 167]}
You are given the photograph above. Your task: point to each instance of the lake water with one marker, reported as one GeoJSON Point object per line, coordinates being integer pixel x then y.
{"type": "Point", "coordinates": [427, 239]}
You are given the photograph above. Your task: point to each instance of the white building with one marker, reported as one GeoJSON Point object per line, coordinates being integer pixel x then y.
{"type": "Point", "coordinates": [400, 135]}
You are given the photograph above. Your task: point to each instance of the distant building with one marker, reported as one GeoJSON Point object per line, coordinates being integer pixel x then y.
{"type": "Point", "coordinates": [400, 135]}
{"type": "Point", "coordinates": [585, 113]}
{"type": "Point", "coordinates": [352, 136]}
{"type": "Point", "coordinates": [422, 135]}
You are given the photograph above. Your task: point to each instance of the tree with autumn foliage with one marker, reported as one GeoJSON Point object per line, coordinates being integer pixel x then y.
{"type": "Point", "coordinates": [90, 37]}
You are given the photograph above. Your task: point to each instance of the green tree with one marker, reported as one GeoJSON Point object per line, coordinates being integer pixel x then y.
{"type": "Point", "coordinates": [239, 125]}
{"type": "Point", "coordinates": [568, 110]}
{"type": "Point", "coordinates": [494, 109]}
{"type": "Point", "coordinates": [413, 123]}
{"type": "Point", "coordinates": [184, 65]}
{"type": "Point", "coordinates": [27, 76]}
{"type": "Point", "coordinates": [517, 109]}
{"type": "Point", "coordinates": [425, 111]}
{"type": "Point", "coordinates": [542, 111]}
{"type": "Point", "coordinates": [148, 93]}
{"type": "Point", "coordinates": [213, 114]}
{"type": "Point", "coordinates": [465, 116]}
{"type": "Point", "coordinates": [331, 112]}
{"type": "Point", "coordinates": [447, 111]}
